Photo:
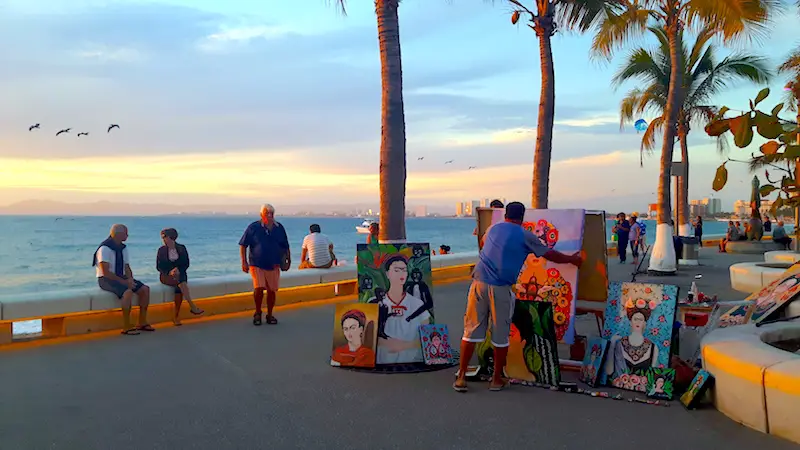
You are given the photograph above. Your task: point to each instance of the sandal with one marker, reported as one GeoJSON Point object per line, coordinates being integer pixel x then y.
{"type": "Point", "coordinates": [257, 319]}
{"type": "Point", "coordinates": [197, 312]}
{"type": "Point", "coordinates": [460, 387]}
{"type": "Point", "coordinates": [130, 332]}
{"type": "Point", "coordinates": [147, 327]}
{"type": "Point", "coordinates": [271, 320]}
{"type": "Point", "coordinates": [497, 388]}
{"type": "Point", "coordinates": [177, 323]}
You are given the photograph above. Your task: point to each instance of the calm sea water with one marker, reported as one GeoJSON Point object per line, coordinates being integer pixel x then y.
{"type": "Point", "coordinates": [39, 253]}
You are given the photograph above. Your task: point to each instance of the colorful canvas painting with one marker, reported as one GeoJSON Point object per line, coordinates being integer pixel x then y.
{"type": "Point", "coordinates": [593, 360]}
{"type": "Point", "coordinates": [694, 394]}
{"type": "Point", "coordinates": [435, 342]}
{"type": "Point", "coordinates": [355, 329]}
{"type": "Point", "coordinates": [398, 279]}
{"type": "Point", "coordinates": [532, 350]}
{"type": "Point", "coordinates": [785, 291]}
{"type": "Point", "coordinates": [660, 383]}
{"type": "Point", "coordinates": [545, 281]}
{"type": "Point", "coordinates": [638, 323]}
{"type": "Point", "coordinates": [722, 317]}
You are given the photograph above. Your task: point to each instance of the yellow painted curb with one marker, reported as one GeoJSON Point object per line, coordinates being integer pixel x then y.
{"type": "Point", "coordinates": [735, 367]}
{"type": "Point", "coordinates": [788, 383]}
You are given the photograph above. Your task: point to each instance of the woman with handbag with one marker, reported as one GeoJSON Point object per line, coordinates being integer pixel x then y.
{"type": "Point", "coordinates": [172, 261]}
{"type": "Point", "coordinates": [264, 251]}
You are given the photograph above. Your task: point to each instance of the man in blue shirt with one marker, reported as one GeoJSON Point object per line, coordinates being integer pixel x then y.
{"type": "Point", "coordinates": [491, 302]}
{"type": "Point", "coordinates": [268, 244]}
{"type": "Point", "coordinates": [622, 229]}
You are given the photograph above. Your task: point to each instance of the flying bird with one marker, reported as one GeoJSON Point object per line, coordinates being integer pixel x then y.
{"type": "Point", "coordinates": [420, 158]}
{"type": "Point", "coordinates": [449, 162]}
{"type": "Point", "coordinates": [111, 127]}
{"type": "Point", "coordinates": [33, 126]}
{"type": "Point", "coordinates": [472, 167]}
{"type": "Point", "coordinates": [83, 134]}
{"type": "Point", "coordinates": [63, 131]}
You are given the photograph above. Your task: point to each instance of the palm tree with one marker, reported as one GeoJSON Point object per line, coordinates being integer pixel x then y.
{"type": "Point", "coordinates": [627, 19]}
{"type": "Point", "coordinates": [703, 78]}
{"type": "Point", "coordinates": [544, 20]}
{"type": "Point", "coordinates": [393, 124]}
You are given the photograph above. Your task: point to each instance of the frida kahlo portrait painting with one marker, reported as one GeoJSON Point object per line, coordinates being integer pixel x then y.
{"type": "Point", "coordinates": [638, 321]}
{"type": "Point", "coordinates": [397, 277]}
{"type": "Point", "coordinates": [354, 335]}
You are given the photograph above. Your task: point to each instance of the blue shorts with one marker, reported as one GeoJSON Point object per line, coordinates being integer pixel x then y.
{"type": "Point", "coordinates": [117, 288]}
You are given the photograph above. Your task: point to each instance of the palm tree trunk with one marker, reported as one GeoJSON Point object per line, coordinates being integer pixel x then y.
{"type": "Point", "coordinates": [544, 27]}
{"type": "Point", "coordinates": [684, 218]}
{"type": "Point", "coordinates": [393, 126]}
{"type": "Point", "coordinates": [662, 260]}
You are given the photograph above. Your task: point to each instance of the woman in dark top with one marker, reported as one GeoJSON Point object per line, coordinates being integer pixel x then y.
{"type": "Point", "coordinates": [172, 262]}
{"type": "Point", "coordinates": [698, 229]}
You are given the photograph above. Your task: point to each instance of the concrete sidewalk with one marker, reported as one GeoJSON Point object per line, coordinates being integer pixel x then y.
{"type": "Point", "coordinates": [224, 384]}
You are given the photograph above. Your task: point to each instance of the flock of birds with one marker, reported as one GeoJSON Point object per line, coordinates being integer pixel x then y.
{"type": "Point", "coordinates": [37, 126]}
{"type": "Point", "coordinates": [450, 161]}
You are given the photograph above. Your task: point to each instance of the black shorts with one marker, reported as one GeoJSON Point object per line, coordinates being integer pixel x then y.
{"type": "Point", "coordinates": [118, 288]}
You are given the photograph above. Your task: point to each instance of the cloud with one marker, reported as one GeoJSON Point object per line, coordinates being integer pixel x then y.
{"type": "Point", "coordinates": [105, 54]}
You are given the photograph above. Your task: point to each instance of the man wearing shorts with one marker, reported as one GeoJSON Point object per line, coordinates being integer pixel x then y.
{"type": "Point", "coordinates": [114, 275]}
{"type": "Point", "coordinates": [491, 302]}
{"type": "Point", "coordinates": [267, 241]}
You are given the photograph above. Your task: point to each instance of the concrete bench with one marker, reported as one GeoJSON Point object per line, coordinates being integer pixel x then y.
{"type": "Point", "coordinates": [782, 256]}
{"type": "Point", "coordinates": [751, 247]}
{"type": "Point", "coordinates": [756, 384]}
{"type": "Point", "coordinates": [750, 277]}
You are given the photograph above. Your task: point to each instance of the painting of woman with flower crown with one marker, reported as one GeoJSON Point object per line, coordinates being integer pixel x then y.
{"type": "Point", "coordinates": [638, 322]}
{"type": "Point", "coordinates": [541, 280]}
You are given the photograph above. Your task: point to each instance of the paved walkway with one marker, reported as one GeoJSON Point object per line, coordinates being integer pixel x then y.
{"type": "Point", "coordinates": [224, 384]}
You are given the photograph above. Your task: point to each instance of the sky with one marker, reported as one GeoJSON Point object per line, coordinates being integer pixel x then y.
{"type": "Point", "coordinates": [248, 101]}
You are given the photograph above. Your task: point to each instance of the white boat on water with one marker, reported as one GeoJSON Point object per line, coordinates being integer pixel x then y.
{"type": "Point", "coordinates": [364, 227]}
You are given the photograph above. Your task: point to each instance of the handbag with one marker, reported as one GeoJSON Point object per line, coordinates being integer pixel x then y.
{"type": "Point", "coordinates": [286, 261]}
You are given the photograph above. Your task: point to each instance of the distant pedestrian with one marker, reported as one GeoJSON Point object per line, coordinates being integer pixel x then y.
{"type": "Point", "coordinates": [779, 236]}
{"type": "Point", "coordinates": [633, 237]}
{"type": "Point", "coordinates": [444, 249]}
{"type": "Point", "coordinates": [114, 275]}
{"type": "Point", "coordinates": [269, 255]}
{"type": "Point", "coordinates": [490, 302]}
{"type": "Point", "coordinates": [622, 229]}
{"type": "Point", "coordinates": [642, 235]}
{"type": "Point", "coordinates": [698, 229]}
{"type": "Point", "coordinates": [172, 262]}
{"type": "Point", "coordinates": [767, 223]}
{"type": "Point", "coordinates": [374, 230]}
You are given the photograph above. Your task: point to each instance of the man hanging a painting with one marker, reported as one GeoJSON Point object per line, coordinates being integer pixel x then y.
{"type": "Point", "coordinates": [490, 302]}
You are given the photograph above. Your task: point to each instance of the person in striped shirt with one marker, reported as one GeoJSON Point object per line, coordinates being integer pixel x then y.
{"type": "Point", "coordinates": [317, 250]}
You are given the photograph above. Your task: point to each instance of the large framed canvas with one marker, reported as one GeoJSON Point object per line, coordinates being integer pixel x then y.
{"type": "Point", "coordinates": [638, 322]}
{"type": "Point", "coordinates": [541, 280]}
{"type": "Point", "coordinates": [355, 329]}
{"type": "Point", "coordinates": [397, 277]}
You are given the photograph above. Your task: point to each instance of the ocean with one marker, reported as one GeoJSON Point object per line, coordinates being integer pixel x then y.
{"type": "Point", "coordinates": [41, 253]}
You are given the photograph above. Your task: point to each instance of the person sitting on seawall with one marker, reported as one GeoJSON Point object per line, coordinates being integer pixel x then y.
{"type": "Point", "coordinates": [731, 235]}
{"type": "Point", "coordinates": [444, 249]}
{"type": "Point", "coordinates": [374, 229]}
{"type": "Point", "coordinates": [779, 235]}
{"type": "Point", "coordinates": [114, 275]}
{"type": "Point", "coordinates": [172, 261]}
{"type": "Point", "coordinates": [317, 250]}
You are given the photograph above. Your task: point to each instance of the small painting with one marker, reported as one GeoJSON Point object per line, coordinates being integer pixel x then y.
{"type": "Point", "coordinates": [692, 397]}
{"type": "Point", "coordinates": [660, 383]}
{"type": "Point", "coordinates": [435, 342]}
{"type": "Point", "coordinates": [738, 315]}
{"type": "Point", "coordinates": [354, 335]}
{"type": "Point", "coordinates": [593, 360]}
{"type": "Point", "coordinates": [638, 323]}
{"type": "Point", "coordinates": [397, 277]}
{"type": "Point", "coordinates": [541, 280]}
{"type": "Point", "coordinates": [783, 293]}
{"type": "Point", "coordinates": [533, 349]}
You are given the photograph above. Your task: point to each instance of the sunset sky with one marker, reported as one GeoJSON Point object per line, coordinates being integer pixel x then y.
{"type": "Point", "coordinates": [250, 101]}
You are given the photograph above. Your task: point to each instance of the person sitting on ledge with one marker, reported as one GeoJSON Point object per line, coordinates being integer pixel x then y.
{"type": "Point", "coordinates": [779, 235]}
{"type": "Point", "coordinates": [172, 261]}
{"type": "Point", "coordinates": [731, 235]}
{"type": "Point", "coordinates": [317, 250]}
{"type": "Point", "coordinates": [444, 249]}
{"type": "Point", "coordinates": [114, 275]}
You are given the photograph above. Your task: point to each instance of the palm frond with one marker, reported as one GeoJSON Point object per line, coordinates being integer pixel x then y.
{"type": "Point", "coordinates": [580, 15]}
{"type": "Point", "coordinates": [792, 63]}
{"type": "Point", "coordinates": [703, 36]}
{"type": "Point", "coordinates": [640, 64]}
{"type": "Point", "coordinates": [618, 26]}
{"type": "Point", "coordinates": [655, 128]}
{"type": "Point", "coordinates": [734, 19]}
{"type": "Point", "coordinates": [734, 68]}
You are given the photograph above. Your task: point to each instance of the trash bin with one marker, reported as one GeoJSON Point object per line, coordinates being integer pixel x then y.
{"type": "Point", "coordinates": [690, 251]}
